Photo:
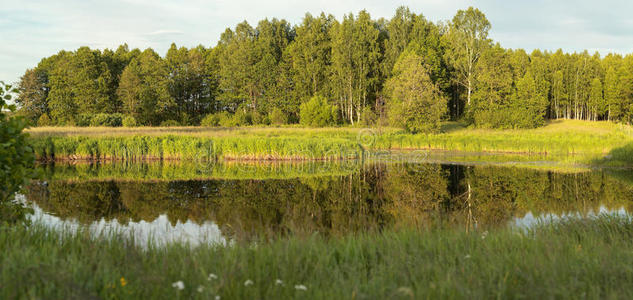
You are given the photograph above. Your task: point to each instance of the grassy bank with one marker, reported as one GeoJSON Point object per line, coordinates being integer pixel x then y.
{"type": "Point", "coordinates": [140, 147]}
{"type": "Point", "coordinates": [568, 141]}
{"type": "Point", "coordinates": [572, 259]}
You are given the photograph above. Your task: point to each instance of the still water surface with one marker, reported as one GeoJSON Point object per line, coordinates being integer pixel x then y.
{"type": "Point", "coordinates": [220, 203]}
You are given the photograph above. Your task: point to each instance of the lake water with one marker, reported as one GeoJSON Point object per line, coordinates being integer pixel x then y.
{"type": "Point", "coordinates": [221, 203]}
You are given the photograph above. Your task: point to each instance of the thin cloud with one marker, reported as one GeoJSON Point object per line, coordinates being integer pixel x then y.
{"type": "Point", "coordinates": [166, 32]}
{"type": "Point", "coordinates": [34, 29]}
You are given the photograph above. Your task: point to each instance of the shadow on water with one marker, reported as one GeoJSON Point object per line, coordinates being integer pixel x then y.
{"type": "Point", "coordinates": [238, 203]}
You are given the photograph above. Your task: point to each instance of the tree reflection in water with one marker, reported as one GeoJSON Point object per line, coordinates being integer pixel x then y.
{"type": "Point", "coordinates": [369, 197]}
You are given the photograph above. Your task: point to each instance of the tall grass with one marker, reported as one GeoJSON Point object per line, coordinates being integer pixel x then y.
{"type": "Point", "coordinates": [585, 141]}
{"type": "Point", "coordinates": [570, 259]}
{"type": "Point", "coordinates": [192, 148]}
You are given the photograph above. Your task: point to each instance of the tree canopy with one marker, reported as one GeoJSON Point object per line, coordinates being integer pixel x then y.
{"type": "Point", "coordinates": [255, 73]}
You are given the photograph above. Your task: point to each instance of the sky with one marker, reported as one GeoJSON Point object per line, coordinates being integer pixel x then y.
{"type": "Point", "coordinates": [33, 29]}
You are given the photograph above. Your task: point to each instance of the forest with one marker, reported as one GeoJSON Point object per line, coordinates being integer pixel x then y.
{"type": "Point", "coordinates": [406, 72]}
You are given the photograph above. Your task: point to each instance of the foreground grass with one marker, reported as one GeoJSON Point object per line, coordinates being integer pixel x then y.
{"type": "Point", "coordinates": [591, 258]}
{"type": "Point", "coordinates": [569, 141]}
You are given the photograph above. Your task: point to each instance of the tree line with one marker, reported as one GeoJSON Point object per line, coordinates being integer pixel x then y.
{"type": "Point", "coordinates": [406, 71]}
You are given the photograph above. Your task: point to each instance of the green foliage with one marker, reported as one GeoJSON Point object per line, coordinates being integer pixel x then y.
{"type": "Point", "coordinates": [368, 117]}
{"type": "Point", "coordinates": [32, 97]}
{"type": "Point", "coordinates": [529, 108]}
{"type": "Point", "coordinates": [44, 120]}
{"type": "Point", "coordinates": [242, 118]}
{"type": "Point", "coordinates": [169, 123]}
{"type": "Point", "coordinates": [239, 118]}
{"type": "Point", "coordinates": [497, 103]}
{"type": "Point", "coordinates": [144, 89]}
{"type": "Point", "coordinates": [355, 57]}
{"type": "Point", "coordinates": [255, 69]}
{"type": "Point", "coordinates": [467, 39]}
{"type": "Point", "coordinates": [309, 56]}
{"type": "Point", "coordinates": [83, 120]}
{"type": "Point", "coordinates": [225, 119]}
{"type": "Point", "coordinates": [415, 102]}
{"type": "Point", "coordinates": [188, 84]}
{"type": "Point", "coordinates": [16, 159]}
{"type": "Point", "coordinates": [277, 117]}
{"type": "Point", "coordinates": [317, 112]}
{"type": "Point", "coordinates": [211, 120]}
{"type": "Point", "coordinates": [129, 121]}
{"type": "Point", "coordinates": [109, 120]}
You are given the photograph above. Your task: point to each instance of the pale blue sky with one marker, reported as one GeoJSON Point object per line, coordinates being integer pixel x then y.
{"type": "Point", "coordinates": [33, 29]}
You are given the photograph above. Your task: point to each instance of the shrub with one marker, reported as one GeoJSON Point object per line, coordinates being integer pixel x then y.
{"type": "Point", "coordinates": [84, 120]}
{"type": "Point", "coordinates": [169, 123]}
{"type": "Point", "coordinates": [317, 112]}
{"type": "Point", "coordinates": [369, 117]}
{"type": "Point", "coordinates": [44, 120]}
{"type": "Point", "coordinates": [129, 121]}
{"type": "Point", "coordinates": [259, 118]}
{"type": "Point", "coordinates": [242, 118]}
{"type": "Point", "coordinates": [225, 119]}
{"type": "Point", "coordinates": [278, 117]}
{"type": "Point", "coordinates": [211, 120]}
{"type": "Point", "coordinates": [16, 159]}
{"type": "Point", "coordinates": [110, 120]}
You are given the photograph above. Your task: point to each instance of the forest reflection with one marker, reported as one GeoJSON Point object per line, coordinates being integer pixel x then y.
{"type": "Point", "coordinates": [343, 199]}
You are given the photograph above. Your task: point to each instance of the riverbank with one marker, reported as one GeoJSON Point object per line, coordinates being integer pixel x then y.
{"type": "Point", "coordinates": [568, 141]}
{"type": "Point", "coordinates": [571, 259]}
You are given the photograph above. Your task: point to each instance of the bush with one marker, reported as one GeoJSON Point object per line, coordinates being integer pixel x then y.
{"type": "Point", "coordinates": [129, 121]}
{"type": "Point", "coordinates": [242, 118]}
{"type": "Point", "coordinates": [317, 112]}
{"type": "Point", "coordinates": [169, 123]}
{"type": "Point", "coordinates": [84, 120]}
{"type": "Point", "coordinates": [369, 117]}
{"type": "Point", "coordinates": [225, 119]}
{"type": "Point", "coordinates": [259, 118]}
{"type": "Point", "coordinates": [16, 158]}
{"type": "Point", "coordinates": [211, 120]}
{"type": "Point", "coordinates": [278, 117]}
{"type": "Point", "coordinates": [110, 120]}
{"type": "Point", "coordinates": [44, 120]}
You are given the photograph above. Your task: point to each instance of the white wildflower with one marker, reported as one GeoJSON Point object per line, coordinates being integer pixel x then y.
{"type": "Point", "coordinates": [179, 285]}
{"type": "Point", "coordinates": [484, 235]}
{"type": "Point", "coordinates": [217, 297]}
{"type": "Point", "coordinates": [212, 277]}
{"type": "Point", "coordinates": [248, 282]}
{"type": "Point", "coordinates": [279, 282]}
{"type": "Point", "coordinates": [301, 287]}
{"type": "Point", "coordinates": [200, 289]}
{"type": "Point", "coordinates": [467, 256]}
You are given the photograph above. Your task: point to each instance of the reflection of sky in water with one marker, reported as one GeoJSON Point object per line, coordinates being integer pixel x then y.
{"type": "Point", "coordinates": [530, 219]}
{"type": "Point", "coordinates": [159, 231]}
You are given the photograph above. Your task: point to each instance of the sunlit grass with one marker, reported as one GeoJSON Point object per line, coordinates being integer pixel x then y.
{"type": "Point", "coordinates": [568, 141]}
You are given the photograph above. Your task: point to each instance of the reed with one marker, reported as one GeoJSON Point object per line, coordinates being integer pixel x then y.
{"type": "Point", "coordinates": [192, 148]}
{"type": "Point", "coordinates": [567, 141]}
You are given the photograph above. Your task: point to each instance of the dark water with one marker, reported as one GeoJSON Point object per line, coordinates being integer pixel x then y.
{"type": "Point", "coordinates": [228, 202]}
